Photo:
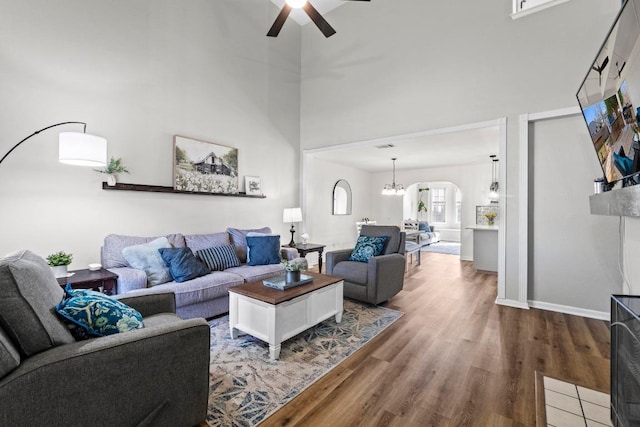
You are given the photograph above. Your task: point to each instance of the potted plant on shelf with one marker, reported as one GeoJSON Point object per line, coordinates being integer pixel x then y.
{"type": "Point", "coordinates": [292, 271]}
{"type": "Point", "coordinates": [112, 170]}
{"type": "Point", "coordinates": [58, 262]}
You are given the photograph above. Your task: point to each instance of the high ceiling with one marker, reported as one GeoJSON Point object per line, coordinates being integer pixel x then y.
{"type": "Point", "coordinates": [430, 151]}
{"type": "Point", "coordinates": [298, 15]}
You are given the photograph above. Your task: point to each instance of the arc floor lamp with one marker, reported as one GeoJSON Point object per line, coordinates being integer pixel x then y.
{"type": "Point", "coordinates": [75, 148]}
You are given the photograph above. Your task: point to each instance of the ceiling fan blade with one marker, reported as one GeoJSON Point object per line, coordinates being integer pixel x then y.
{"type": "Point", "coordinates": [279, 22]}
{"type": "Point", "coordinates": [317, 19]}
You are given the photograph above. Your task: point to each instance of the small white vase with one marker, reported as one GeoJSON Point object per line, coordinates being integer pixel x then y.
{"type": "Point", "coordinates": [59, 271]}
{"type": "Point", "coordinates": [111, 180]}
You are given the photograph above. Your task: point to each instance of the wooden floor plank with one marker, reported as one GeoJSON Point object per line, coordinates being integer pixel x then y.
{"type": "Point", "coordinates": [454, 358]}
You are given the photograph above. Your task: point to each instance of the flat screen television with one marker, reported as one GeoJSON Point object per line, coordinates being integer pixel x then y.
{"type": "Point", "coordinates": [609, 98]}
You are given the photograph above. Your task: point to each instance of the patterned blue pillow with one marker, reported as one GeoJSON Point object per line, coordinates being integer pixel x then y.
{"type": "Point", "coordinates": [368, 246]}
{"type": "Point", "coordinates": [219, 258]}
{"type": "Point", "coordinates": [96, 314]}
{"type": "Point", "coordinates": [182, 264]}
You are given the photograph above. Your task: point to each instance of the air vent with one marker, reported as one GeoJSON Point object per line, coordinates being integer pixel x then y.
{"type": "Point", "coordinates": [385, 146]}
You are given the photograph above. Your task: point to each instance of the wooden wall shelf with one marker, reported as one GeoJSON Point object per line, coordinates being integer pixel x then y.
{"type": "Point", "coordinates": [163, 189]}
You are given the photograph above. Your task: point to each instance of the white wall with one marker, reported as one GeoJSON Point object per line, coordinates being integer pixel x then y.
{"type": "Point", "coordinates": [335, 231]}
{"type": "Point", "coordinates": [573, 258]}
{"type": "Point", "coordinates": [410, 77]}
{"type": "Point", "coordinates": [139, 73]}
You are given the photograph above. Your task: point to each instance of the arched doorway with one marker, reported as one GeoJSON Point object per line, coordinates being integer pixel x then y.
{"type": "Point", "coordinates": [437, 207]}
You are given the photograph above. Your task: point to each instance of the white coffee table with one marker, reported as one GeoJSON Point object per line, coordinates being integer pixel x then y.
{"type": "Point", "coordinates": [274, 316]}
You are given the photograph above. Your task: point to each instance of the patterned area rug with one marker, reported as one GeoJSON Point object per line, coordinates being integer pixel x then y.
{"type": "Point", "coordinates": [450, 248]}
{"type": "Point", "coordinates": [246, 386]}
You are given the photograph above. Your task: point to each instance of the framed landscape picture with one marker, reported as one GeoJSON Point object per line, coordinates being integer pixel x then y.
{"type": "Point", "coordinates": [204, 166]}
{"type": "Point", "coordinates": [253, 185]}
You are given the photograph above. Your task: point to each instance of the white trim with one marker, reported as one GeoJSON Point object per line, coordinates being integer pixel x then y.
{"type": "Point", "coordinates": [523, 209]}
{"type": "Point", "coordinates": [567, 309]}
{"type": "Point", "coordinates": [531, 10]}
{"type": "Point", "coordinates": [502, 230]}
{"type": "Point", "coordinates": [523, 217]}
{"type": "Point", "coordinates": [466, 258]}
{"type": "Point", "coordinates": [512, 303]}
{"type": "Point", "coordinates": [502, 178]}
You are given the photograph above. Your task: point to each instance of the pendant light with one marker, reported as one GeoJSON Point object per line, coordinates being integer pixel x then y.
{"type": "Point", "coordinates": [393, 189]}
{"type": "Point", "coordinates": [494, 187]}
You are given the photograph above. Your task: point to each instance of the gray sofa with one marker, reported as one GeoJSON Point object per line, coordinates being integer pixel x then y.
{"type": "Point", "coordinates": [158, 375]}
{"type": "Point", "coordinates": [421, 232]}
{"type": "Point", "coordinates": [206, 296]}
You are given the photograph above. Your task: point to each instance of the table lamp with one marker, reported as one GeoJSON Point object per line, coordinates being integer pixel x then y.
{"type": "Point", "coordinates": [291, 215]}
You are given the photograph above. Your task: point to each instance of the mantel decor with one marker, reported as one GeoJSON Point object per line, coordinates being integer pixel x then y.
{"type": "Point", "coordinates": [204, 167]}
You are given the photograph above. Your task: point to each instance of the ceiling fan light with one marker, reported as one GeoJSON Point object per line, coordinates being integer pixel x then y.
{"type": "Point", "coordinates": [296, 4]}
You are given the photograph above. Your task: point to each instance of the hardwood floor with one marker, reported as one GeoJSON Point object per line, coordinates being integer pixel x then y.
{"type": "Point", "coordinates": [455, 358]}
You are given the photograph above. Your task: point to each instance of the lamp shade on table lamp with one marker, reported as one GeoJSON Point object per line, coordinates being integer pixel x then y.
{"type": "Point", "coordinates": [291, 215]}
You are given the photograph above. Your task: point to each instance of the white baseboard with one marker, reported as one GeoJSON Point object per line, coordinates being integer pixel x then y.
{"type": "Point", "coordinates": [466, 258]}
{"type": "Point", "coordinates": [566, 309]}
{"type": "Point", "coordinates": [512, 303]}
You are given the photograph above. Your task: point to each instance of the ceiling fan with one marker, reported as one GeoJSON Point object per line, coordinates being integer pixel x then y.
{"type": "Point", "coordinates": [315, 16]}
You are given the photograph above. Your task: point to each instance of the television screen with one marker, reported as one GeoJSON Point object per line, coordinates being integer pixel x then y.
{"type": "Point", "coordinates": [609, 98]}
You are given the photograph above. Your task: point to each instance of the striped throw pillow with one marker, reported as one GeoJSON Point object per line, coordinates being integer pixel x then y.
{"type": "Point", "coordinates": [219, 258]}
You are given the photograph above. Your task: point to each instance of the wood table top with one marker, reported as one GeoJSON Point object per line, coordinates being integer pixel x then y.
{"type": "Point", "coordinates": [257, 290]}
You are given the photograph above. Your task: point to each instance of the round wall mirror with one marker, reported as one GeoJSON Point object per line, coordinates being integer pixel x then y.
{"type": "Point", "coordinates": [342, 198]}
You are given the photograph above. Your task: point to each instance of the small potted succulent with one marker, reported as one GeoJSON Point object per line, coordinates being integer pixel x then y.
{"type": "Point", "coordinates": [112, 170]}
{"type": "Point", "coordinates": [292, 271]}
{"type": "Point", "coordinates": [58, 262]}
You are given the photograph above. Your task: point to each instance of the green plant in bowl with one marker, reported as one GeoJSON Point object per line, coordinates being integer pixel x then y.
{"type": "Point", "coordinates": [59, 258]}
{"type": "Point", "coordinates": [292, 266]}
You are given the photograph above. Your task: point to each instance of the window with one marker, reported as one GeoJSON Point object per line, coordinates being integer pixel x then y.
{"type": "Point", "coordinates": [438, 205]}
{"type": "Point", "coordinates": [526, 7]}
{"type": "Point", "coordinates": [458, 206]}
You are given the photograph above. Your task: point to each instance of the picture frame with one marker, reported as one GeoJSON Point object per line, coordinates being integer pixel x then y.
{"type": "Point", "coordinates": [204, 167]}
{"type": "Point", "coordinates": [253, 185]}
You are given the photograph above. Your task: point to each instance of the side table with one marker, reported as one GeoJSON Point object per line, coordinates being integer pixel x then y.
{"type": "Point", "coordinates": [305, 248]}
{"type": "Point", "coordinates": [99, 280]}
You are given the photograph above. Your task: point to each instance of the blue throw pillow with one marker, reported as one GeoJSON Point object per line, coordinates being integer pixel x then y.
{"type": "Point", "coordinates": [263, 249]}
{"type": "Point", "coordinates": [96, 315]}
{"type": "Point", "coordinates": [182, 264]}
{"type": "Point", "coordinates": [146, 257]}
{"type": "Point", "coordinates": [424, 226]}
{"type": "Point", "coordinates": [368, 246]}
{"type": "Point", "coordinates": [219, 258]}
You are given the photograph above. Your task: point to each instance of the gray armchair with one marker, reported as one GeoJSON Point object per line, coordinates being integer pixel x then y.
{"type": "Point", "coordinates": [381, 277]}
{"type": "Point", "coordinates": [158, 375]}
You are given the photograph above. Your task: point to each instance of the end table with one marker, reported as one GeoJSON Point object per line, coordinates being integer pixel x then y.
{"type": "Point", "coordinates": [305, 248]}
{"type": "Point", "coordinates": [99, 280]}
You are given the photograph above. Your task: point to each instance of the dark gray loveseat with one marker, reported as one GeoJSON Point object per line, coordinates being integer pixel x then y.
{"type": "Point", "coordinates": [158, 375]}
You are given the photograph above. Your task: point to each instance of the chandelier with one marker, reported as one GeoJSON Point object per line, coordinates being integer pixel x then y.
{"type": "Point", "coordinates": [494, 187]}
{"type": "Point", "coordinates": [393, 189]}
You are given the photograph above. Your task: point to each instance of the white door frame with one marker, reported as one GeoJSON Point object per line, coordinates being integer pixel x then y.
{"type": "Point", "coordinates": [501, 123]}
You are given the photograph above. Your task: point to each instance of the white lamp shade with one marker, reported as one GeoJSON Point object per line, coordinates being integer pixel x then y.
{"type": "Point", "coordinates": [291, 215]}
{"type": "Point", "coordinates": [82, 149]}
